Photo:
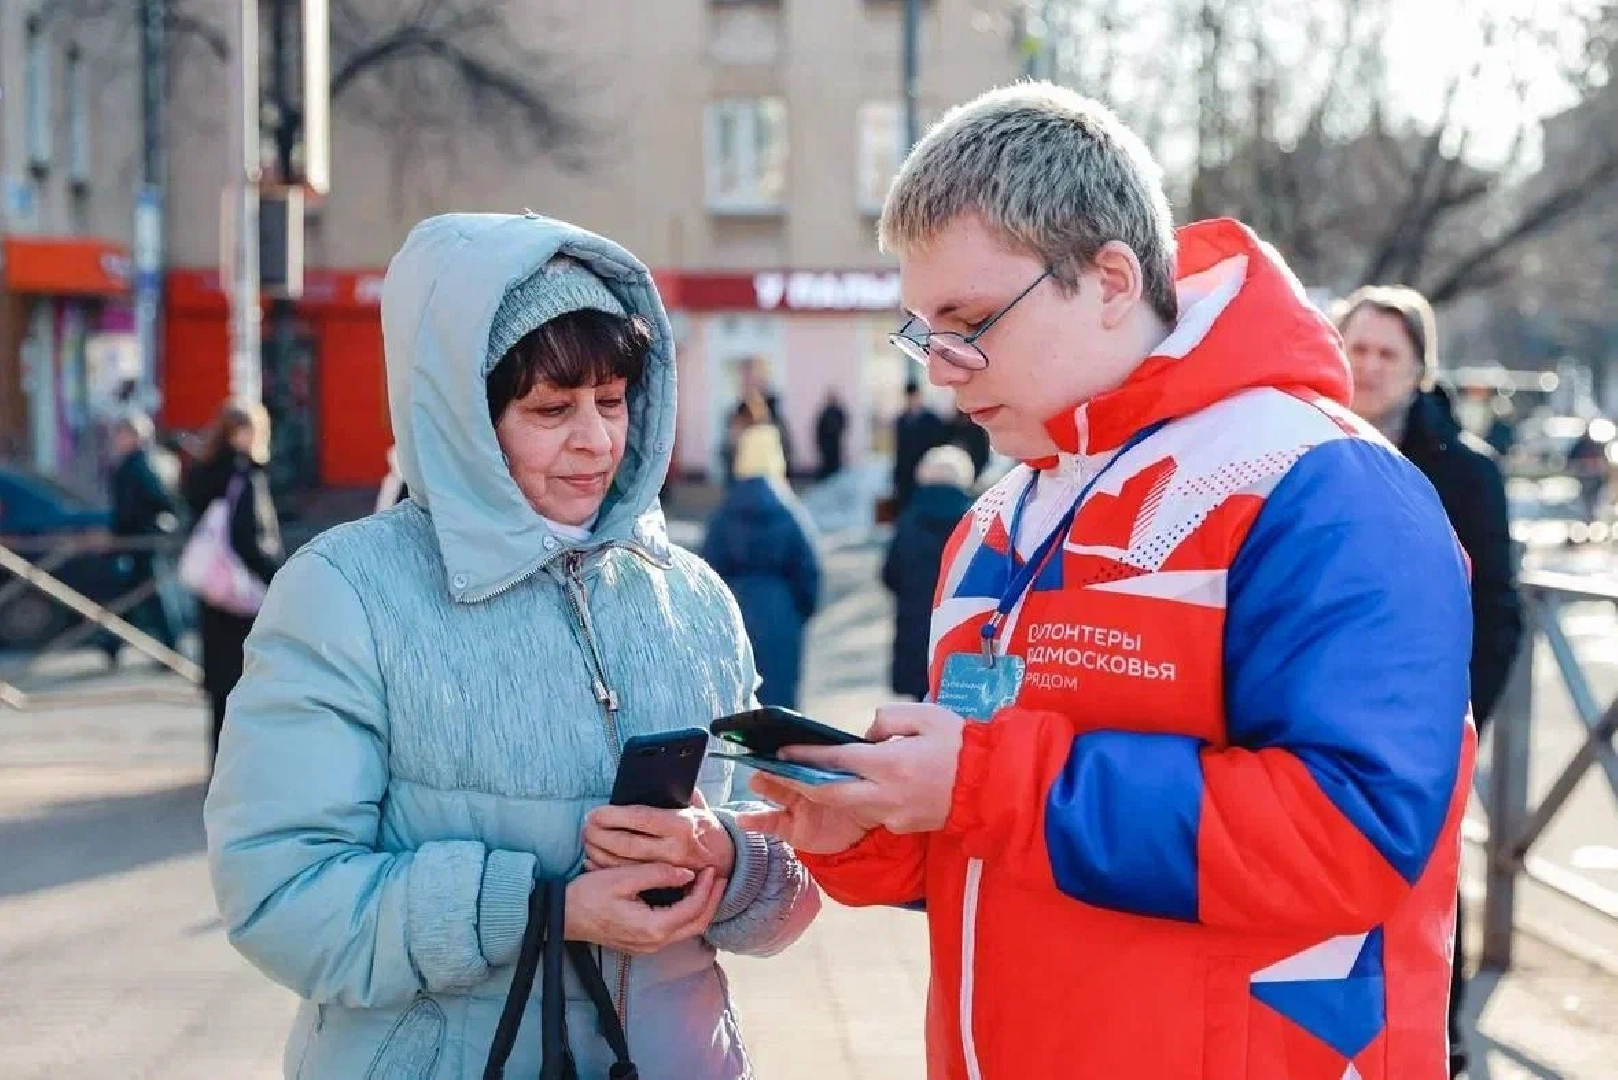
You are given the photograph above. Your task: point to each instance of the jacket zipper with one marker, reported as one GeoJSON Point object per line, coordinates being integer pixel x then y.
{"type": "Point", "coordinates": [607, 698]}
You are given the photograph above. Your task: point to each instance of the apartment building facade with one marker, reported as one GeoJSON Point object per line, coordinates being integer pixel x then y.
{"type": "Point", "coordinates": [67, 328]}
{"type": "Point", "coordinates": [742, 149]}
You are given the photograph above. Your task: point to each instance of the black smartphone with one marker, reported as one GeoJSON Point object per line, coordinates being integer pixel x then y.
{"type": "Point", "coordinates": [763, 732]}
{"type": "Point", "coordinates": [660, 771]}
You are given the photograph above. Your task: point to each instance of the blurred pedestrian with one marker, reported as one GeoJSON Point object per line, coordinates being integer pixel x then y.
{"type": "Point", "coordinates": [232, 468]}
{"type": "Point", "coordinates": [145, 508]}
{"type": "Point", "coordinates": [437, 699]}
{"type": "Point", "coordinates": [831, 427]}
{"type": "Point", "coordinates": [917, 429]}
{"type": "Point", "coordinates": [764, 402]}
{"type": "Point", "coordinates": [1389, 334]}
{"type": "Point", "coordinates": [942, 497]}
{"type": "Point", "coordinates": [1587, 463]}
{"type": "Point", "coordinates": [752, 409]}
{"type": "Point", "coordinates": [761, 542]}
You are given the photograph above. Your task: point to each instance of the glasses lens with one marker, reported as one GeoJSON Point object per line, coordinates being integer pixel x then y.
{"type": "Point", "coordinates": [958, 351]}
{"type": "Point", "coordinates": [910, 347]}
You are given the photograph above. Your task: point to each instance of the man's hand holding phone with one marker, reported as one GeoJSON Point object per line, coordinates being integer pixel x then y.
{"type": "Point", "coordinates": [905, 781]}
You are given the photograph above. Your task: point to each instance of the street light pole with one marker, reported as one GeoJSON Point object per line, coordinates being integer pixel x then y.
{"type": "Point", "coordinates": [149, 199]}
{"type": "Point", "coordinates": [910, 61]}
{"type": "Point", "coordinates": [246, 375]}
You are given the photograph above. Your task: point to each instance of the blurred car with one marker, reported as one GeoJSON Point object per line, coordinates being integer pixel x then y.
{"type": "Point", "coordinates": [38, 515]}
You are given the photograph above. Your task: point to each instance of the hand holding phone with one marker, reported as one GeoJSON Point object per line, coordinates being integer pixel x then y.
{"type": "Point", "coordinates": [762, 733]}
{"type": "Point", "coordinates": [660, 772]}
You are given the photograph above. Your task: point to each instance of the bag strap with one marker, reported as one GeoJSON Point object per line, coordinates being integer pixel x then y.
{"type": "Point", "coordinates": [522, 984]}
{"type": "Point", "coordinates": [556, 1058]}
{"type": "Point", "coordinates": [543, 941]}
{"type": "Point", "coordinates": [611, 1028]}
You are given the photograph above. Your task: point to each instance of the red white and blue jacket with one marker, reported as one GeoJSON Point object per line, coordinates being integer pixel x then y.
{"type": "Point", "coordinates": [1217, 833]}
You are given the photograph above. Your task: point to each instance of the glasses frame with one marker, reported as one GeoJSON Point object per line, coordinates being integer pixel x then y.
{"type": "Point", "coordinates": [920, 348]}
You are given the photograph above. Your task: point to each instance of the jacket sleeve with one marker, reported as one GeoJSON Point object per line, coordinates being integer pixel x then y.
{"type": "Point", "coordinates": [293, 814]}
{"type": "Point", "coordinates": [883, 868]}
{"type": "Point", "coordinates": [1346, 646]}
{"type": "Point", "coordinates": [1483, 525]}
{"type": "Point", "coordinates": [770, 899]}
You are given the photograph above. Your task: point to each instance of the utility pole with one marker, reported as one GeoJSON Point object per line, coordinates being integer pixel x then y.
{"type": "Point", "coordinates": [910, 62]}
{"type": "Point", "coordinates": [150, 198]}
{"type": "Point", "coordinates": [246, 375]}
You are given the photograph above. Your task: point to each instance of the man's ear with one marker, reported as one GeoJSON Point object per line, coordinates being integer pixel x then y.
{"type": "Point", "coordinates": [1117, 271]}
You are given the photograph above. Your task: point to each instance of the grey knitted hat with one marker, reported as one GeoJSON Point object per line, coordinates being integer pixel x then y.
{"type": "Point", "coordinates": [562, 285]}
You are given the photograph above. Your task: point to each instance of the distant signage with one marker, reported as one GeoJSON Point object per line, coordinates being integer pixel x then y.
{"type": "Point", "coordinates": [805, 291]}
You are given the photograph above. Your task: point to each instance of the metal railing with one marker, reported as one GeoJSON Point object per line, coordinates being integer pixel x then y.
{"type": "Point", "coordinates": [1514, 824]}
{"type": "Point", "coordinates": [30, 566]}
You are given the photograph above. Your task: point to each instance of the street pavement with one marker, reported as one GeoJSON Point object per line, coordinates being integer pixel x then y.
{"type": "Point", "coordinates": [113, 962]}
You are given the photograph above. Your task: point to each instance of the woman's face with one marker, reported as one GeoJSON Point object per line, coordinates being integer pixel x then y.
{"type": "Point", "coordinates": [563, 446]}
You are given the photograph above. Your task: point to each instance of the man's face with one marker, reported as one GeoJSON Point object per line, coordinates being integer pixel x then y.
{"type": "Point", "coordinates": [1049, 353]}
{"type": "Point", "coordinates": [1386, 368]}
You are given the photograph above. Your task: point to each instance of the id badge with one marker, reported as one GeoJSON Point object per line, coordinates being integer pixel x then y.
{"type": "Point", "coordinates": [970, 687]}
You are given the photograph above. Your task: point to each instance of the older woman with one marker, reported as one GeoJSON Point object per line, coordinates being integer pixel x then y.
{"type": "Point", "coordinates": [436, 696]}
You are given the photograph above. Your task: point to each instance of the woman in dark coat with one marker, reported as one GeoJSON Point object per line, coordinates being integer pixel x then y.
{"type": "Point", "coordinates": [1389, 335]}
{"type": "Point", "coordinates": [759, 542]}
{"type": "Point", "coordinates": [942, 497]}
{"type": "Point", "coordinates": [236, 450]}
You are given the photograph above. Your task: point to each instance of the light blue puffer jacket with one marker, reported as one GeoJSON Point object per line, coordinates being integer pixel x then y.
{"type": "Point", "coordinates": [435, 696]}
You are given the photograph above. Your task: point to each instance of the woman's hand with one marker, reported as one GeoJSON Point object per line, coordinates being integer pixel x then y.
{"type": "Point", "coordinates": [604, 907]}
{"type": "Point", "coordinates": [628, 835]}
{"type": "Point", "coordinates": [806, 825]}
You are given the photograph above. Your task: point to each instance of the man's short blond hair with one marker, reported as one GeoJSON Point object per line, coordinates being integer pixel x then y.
{"type": "Point", "coordinates": [1055, 173]}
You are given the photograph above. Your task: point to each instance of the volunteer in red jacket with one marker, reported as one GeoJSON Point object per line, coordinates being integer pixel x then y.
{"type": "Point", "coordinates": [1188, 802]}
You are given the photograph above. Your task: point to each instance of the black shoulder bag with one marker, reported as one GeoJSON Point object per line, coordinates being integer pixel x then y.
{"type": "Point", "coordinates": [542, 940]}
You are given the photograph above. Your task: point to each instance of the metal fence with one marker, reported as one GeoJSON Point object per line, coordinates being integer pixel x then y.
{"type": "Point", "coordinates": [1515, 825]}
{"type": "Point", "coordinates": [28, 566]}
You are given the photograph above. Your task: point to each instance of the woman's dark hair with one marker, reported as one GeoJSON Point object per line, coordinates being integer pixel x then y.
{"type": "Point", "coordinates": [579, 348]}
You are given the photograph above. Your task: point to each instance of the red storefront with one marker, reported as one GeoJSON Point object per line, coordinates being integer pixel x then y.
{"type": "Point", "coordinates": [813, 331]}
{"type": "Point", "coordinates": [345, 390]}
{"type": "Point", "coordinates": [67, 352]}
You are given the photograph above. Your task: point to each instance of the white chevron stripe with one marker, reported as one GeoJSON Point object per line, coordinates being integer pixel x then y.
{"type": "Point", "coordinates": [952, 613]}
{"type": "Point", "coordinates": [1205, 588]}
{"type": "Point", "coordinates": [1331, 959]}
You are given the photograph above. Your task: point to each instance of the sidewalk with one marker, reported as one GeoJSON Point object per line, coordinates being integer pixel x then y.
{"type": "Point", "coordinates": [113, 963]}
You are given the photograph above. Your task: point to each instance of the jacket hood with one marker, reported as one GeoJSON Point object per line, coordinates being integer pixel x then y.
{"type": "Point", "coordinates": [1245, 323]}
{"type": "Point", "coordinates": [439, 300]}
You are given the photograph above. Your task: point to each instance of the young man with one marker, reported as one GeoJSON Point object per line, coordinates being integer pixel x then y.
{"type": "Point", "coordinates": [1187, 804]}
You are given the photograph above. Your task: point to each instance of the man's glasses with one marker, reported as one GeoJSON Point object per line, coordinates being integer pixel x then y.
{"type": "Point", "coordinates": [960, 350]}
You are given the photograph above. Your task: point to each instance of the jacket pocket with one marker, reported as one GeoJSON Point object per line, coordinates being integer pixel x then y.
{"type": "Point", "coordinates": [410, 1050]}
{"type": "Point", "coordinates": [1227, 1015]}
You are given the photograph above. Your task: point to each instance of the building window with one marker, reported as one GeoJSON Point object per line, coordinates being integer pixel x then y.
{"type": "Point", "coordinates": [746, 144]}
{"type": "Point", "coordinates": [880, 152]}
{"type": "Point", "coordinates": [78, 122]}
{"type": "Point", "coordinates": [37, 92]}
